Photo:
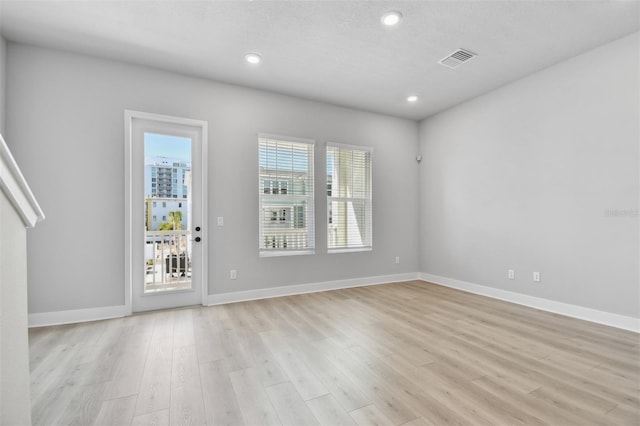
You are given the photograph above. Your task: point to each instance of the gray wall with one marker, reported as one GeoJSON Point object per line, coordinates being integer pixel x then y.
{"type": "Point", "coordinates": [65, 127]}
{"type": "Point", "coordinates": [3, 81]}
{"type": "Point", "coordinates": [527, 176]}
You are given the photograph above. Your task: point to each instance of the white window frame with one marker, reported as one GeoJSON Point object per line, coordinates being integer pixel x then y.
{"type": "Point", "coordinates": [368, 202]}
{"type": "Point", "coordinates": [309, 198]}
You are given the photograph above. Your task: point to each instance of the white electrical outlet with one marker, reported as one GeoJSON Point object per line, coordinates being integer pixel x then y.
{"type": "Point", "coordinates": [511, 274]}
{"type": "Point", "coordinates": [397, 259]}
{"type": "Point", "coordinates": [220, 221]}
{"type": "Point", "coordinates": [536, 277]}
{"type": "Point", "coordinates": [233, 274]}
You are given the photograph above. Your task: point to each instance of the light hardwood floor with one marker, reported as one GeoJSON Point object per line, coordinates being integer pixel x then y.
{"type": "Point", "coordinates": [400, 354]}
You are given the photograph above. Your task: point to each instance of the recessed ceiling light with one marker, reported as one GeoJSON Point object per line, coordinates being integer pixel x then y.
{"type": "Point", "coordinates": [412, 98]}
{"type": "Point", "coordinates": [391, 18]}
{"type": "Point", "coordinates": [253, 58]}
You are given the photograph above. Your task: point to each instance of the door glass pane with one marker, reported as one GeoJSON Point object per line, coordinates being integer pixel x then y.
{"type": "Point", "coordinates": [167, 201]}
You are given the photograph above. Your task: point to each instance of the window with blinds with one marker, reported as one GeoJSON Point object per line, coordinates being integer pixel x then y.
{"type": "Point", "coordinates": [286, 195]}
{"type": "Point", "coordinates": [349, 215]}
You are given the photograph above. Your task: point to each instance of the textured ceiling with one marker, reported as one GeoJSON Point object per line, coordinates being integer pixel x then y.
{"type": "Point", "coordinates": [332, 51]}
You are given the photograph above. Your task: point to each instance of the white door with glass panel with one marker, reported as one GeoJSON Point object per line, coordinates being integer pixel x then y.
{"type": "Point", "coordinates": [166, 229]}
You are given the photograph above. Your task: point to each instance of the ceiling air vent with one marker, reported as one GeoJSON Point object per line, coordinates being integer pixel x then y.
{"type": "Point", "coordinates": [457, 58]}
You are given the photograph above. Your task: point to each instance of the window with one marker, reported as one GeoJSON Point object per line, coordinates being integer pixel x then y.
{"type": "Point", "coordinates": [285, 195]}
{"type": "Point", "coordinates": [349, 214]}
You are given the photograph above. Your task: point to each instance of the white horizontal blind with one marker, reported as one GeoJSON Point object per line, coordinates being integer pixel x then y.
{"type": "Point", "coordinates": [349, 205]}
{"type": "Point", "coordinates": [286, 195]}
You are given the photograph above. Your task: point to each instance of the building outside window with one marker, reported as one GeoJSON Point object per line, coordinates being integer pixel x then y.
{"type": "Point", "coordinates": [162, 177]}
{"type": "Point", "coordinates": [162, 210]}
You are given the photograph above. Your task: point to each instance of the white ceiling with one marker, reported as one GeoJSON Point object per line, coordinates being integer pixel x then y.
{"type": "Point", "coordinates": [332, 51]}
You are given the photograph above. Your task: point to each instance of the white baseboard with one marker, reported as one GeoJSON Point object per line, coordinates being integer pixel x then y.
{"type": "Point", "coordinates": [566, 309]}
{"type": "Point", "coordinates": [76, 315]}
{"type": "Point", "coordinates": [108, 312]}
{"type": "Point", "coordinates": [588, 314]}
{"type": "Point", "coordinates": [266, 293]}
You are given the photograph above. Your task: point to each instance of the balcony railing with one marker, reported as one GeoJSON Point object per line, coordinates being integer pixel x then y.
{"type": "Point", "coordinates": [167, 261]}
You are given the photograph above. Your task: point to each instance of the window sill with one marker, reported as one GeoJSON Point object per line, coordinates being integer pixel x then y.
{"type": "Point", "coordinates": [349, 250]}
{"type": "Point", "coordinates": [279, 253]}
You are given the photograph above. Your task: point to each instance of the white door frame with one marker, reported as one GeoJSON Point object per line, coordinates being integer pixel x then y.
{"type": "Point", "coordinates": [129, 116]}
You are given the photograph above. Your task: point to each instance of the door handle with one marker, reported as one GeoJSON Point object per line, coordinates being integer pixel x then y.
{"type": "Point", "coordinates": [197, 239]}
